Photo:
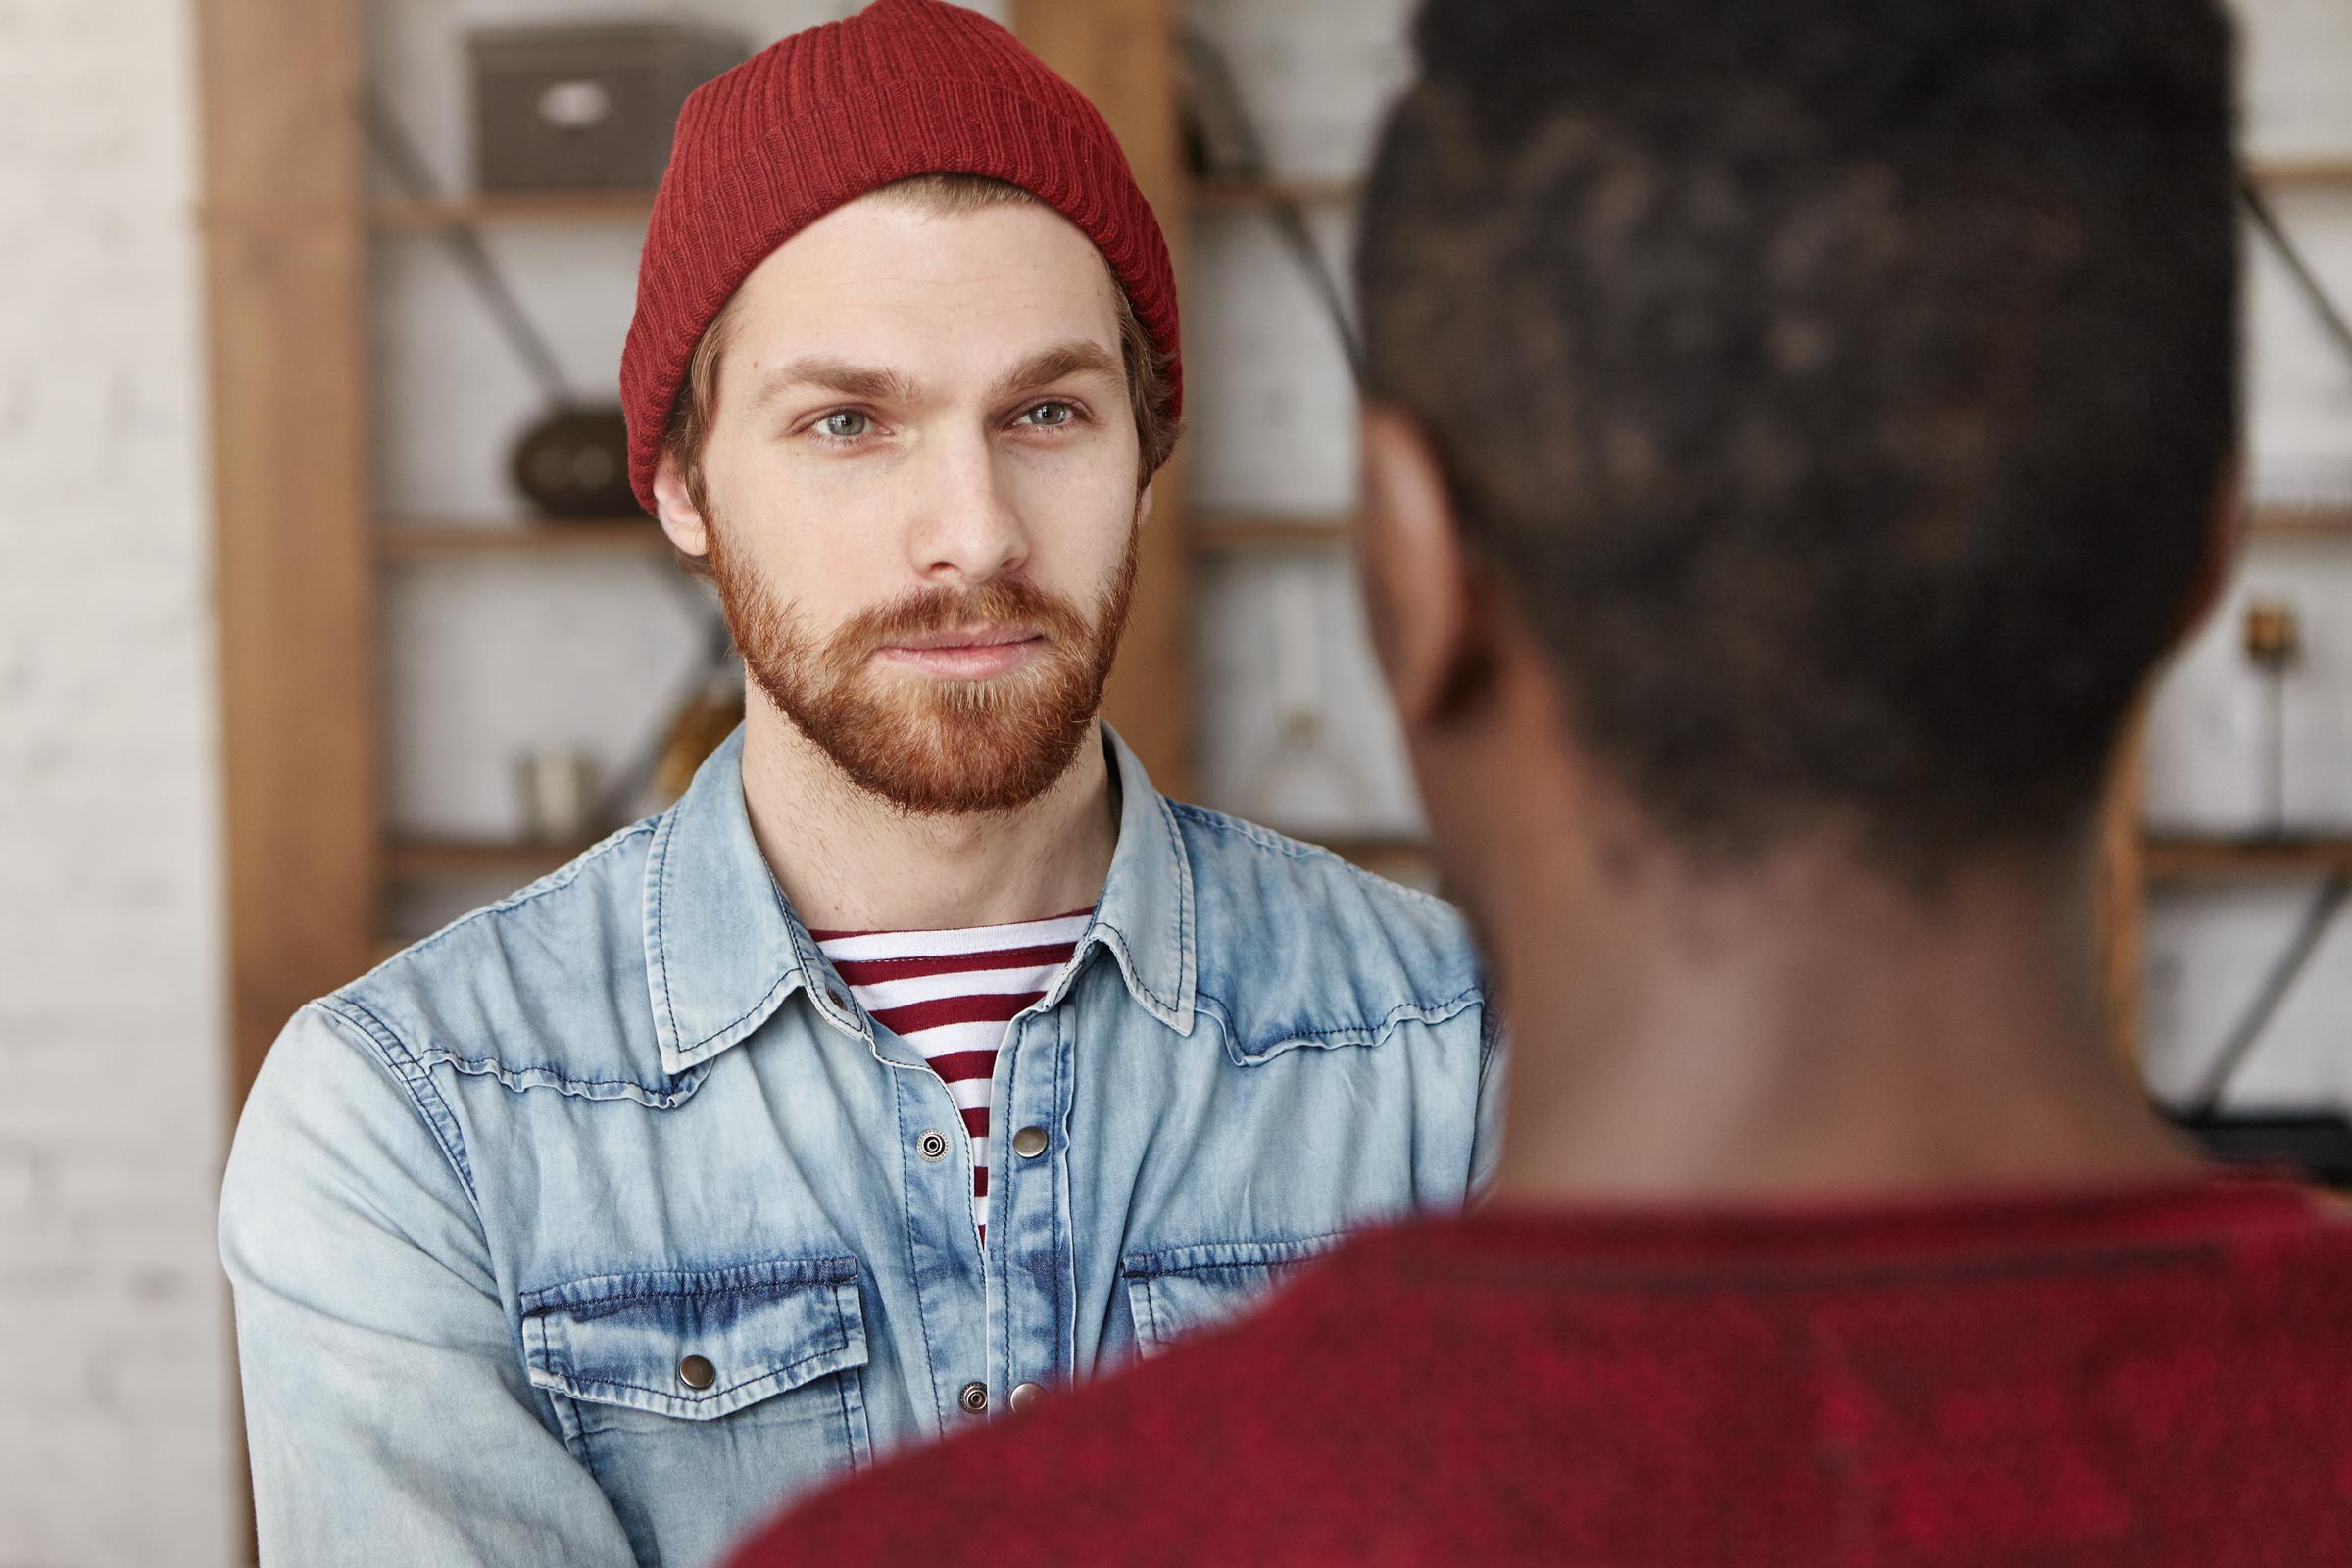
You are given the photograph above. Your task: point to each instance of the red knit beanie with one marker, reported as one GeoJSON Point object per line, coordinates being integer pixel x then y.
{"type": "Point", "coordinates": [905, 87]}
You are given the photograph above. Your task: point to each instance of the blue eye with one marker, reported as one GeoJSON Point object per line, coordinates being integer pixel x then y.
{"type": "Point", "coordinates": [1049, 415]}
{"type": "Point", "coordinates": [845, 425]}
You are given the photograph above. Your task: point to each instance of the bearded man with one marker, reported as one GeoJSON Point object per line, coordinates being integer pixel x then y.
{"type": "Point", "coordinates": [922, 1057]}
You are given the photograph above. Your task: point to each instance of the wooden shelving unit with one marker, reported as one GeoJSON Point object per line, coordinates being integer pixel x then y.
{"type": "Point", "coordinates": [287, 238]}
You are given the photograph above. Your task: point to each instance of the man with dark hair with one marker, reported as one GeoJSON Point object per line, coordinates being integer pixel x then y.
{"type": "Point", "coordinates": [1796, 433]}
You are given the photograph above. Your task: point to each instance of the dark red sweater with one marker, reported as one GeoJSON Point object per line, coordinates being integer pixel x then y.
{"type": "Point", "coordinates": [2140, 1377]}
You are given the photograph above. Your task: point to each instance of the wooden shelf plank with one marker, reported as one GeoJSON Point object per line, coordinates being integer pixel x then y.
{"type": "Point", "coordinates": [419, 539]}
{"type": "Point", "coordinates": [403, 216]}
{"type": "Point", "coordinates": [399, 215]}
{"type": "Point", "coordinates": [2171, 859]}
{"type": "Point", "coordinates": [2300, 522]}
{"type": "Point", "coordinates": [1238, 530]}
{"type": "Point", "coordinates": [1241, 195]}
{"type": "Point", "coordinates": [2302, 174]}
{"type": "Point", "coordinates": [454, 859]}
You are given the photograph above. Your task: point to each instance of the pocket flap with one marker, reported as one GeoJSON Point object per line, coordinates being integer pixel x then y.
{"type": "Point", "coordinates": [648, 1340]}
{"type": "Point", "coordinates": [1181, 1289]}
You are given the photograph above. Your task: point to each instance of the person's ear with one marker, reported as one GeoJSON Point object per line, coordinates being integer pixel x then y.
{"type": "Point", "coordinates": [674, 504]}
{"type": "Point", "coordinates": [1426, 626]}
{"type": "Point", "coordinates": [2224, 535]}
{"type": "Point", "coordinates": [1143, 503]}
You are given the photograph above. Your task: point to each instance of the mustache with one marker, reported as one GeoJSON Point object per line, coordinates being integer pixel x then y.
{"type": "Point", "coordinates": [924, 610]}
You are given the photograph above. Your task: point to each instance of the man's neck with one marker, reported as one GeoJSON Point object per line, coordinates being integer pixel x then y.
{"type": "Point", "coordinates": [1813, 1030]}
{"type": "Point", "coordinates": [849, 860]}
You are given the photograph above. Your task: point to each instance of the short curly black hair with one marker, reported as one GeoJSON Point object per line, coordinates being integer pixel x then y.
{"type": "Point", "coordinates": [1844, 387]}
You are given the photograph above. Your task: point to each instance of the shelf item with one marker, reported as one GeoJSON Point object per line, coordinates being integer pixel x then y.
{"type": "Point", "coordinates": [1241, 531]}
{"type": "Point", "coordinates": [399, 215]}
{"type": "Point", "coordinates": [586, 105]}
{"type": "Point", "coordinates": [2175, 858]}
{"type": "Point", "coordinates": [419, 539]}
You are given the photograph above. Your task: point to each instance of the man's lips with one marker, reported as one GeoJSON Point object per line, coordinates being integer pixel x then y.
{"type": "Point", "coordinates": [972, 653]}
{"type": "Point", "coordinates": [972, 637]}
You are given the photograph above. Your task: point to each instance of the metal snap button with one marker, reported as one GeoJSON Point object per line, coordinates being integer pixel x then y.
{"type": "Point", "coordinates": [1026, 1394]}
{"type": "Point", "coordinates": [973, 1398]}
{"type": "Point", "coordinates": [1029, 1142]}
{"type": "Point", "coordinates": [841, 1003]}
{"type": "Point", "coordinates": [697, 1372]}
{"type": "Point", "coordinates": [933, 1145]}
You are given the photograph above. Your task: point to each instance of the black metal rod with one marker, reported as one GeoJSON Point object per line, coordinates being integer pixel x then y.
{"type": "Point", "coordinates": [408, 169]}
{"type": "Point", "coordinates": [1212, 76]}
{"type": "Point", "coordinates": [2241, 1038]}
{"type": "Point", "coordinates": [2283, 246]}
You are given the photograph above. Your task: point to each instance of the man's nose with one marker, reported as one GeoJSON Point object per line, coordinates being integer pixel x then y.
{"type": "Point", "coordinates": [966, 528]}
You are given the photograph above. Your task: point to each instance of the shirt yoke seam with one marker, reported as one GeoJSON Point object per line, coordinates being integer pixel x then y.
{"type": "Point", "coordinates": [415, 1082]}
{"type": "Point", "coordinates": [1404, 1012]}
{"type": "Point", "coordinates": [554, 882]}
{"type": "Point", "coordinates": [1291, 849]}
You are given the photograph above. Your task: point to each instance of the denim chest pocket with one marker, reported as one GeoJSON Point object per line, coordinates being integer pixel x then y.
{"type": "Point", "coordinates": [700, 1398]}
{"type": "Point", "coordinates": [1179, 1290]}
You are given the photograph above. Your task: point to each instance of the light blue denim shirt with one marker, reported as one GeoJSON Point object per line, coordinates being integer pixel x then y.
{"type": "Point", "coordinates": [592, 1227]}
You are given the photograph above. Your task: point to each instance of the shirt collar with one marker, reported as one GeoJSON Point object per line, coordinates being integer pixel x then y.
{"type": "Point", "coordinates": [723, 948]}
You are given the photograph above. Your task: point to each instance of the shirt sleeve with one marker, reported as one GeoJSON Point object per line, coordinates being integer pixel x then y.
{"type": "Point", "coordinates": [386, 1409]}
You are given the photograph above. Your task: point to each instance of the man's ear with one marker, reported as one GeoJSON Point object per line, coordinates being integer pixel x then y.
{"type": "Point", "coordinates": [674, 504]}
{"type": "Point", "coordinates": [1417, 580]}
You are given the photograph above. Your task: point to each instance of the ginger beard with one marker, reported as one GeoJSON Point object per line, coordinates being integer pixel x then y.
{"type": "Point", "coordinates": [930, 745]}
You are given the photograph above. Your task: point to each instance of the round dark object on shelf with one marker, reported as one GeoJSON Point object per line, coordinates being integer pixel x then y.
{"type": "Point", "coordinates": [575, 463]}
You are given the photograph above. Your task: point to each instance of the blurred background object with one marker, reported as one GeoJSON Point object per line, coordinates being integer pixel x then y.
{"type": "Point", "coordinates": [318, 626]}
{"type": "Point", "coordinates": [585, 106]}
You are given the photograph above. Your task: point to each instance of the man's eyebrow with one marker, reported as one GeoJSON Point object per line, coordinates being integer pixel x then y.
{"type": "Point", "coordinates": [829, 375]}
{"type": "Point", "coordinates": [1077, 357]}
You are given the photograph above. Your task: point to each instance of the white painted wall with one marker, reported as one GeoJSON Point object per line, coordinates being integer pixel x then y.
{"type": "Point", "coordinates": [116, 1417]}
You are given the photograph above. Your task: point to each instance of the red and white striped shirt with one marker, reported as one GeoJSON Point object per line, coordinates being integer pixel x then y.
{"type": "Point", "coordinates": [950, 995]}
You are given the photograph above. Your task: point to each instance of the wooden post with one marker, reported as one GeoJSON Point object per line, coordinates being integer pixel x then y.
{"type": "Point", "coordinates": [284, 237]}
{"type": "Point", "coordinates": [1121, 54]}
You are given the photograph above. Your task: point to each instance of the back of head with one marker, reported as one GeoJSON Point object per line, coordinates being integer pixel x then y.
{"type": "Point", "coordinates": [1844, 387]}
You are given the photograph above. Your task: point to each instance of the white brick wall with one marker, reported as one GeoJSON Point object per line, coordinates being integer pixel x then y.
{"type": "Point", "coordinates": [116, 1419]}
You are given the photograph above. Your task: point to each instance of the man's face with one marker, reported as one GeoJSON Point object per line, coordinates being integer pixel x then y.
{"type": "Point", "coordinates": [920, 495]}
